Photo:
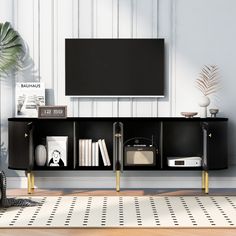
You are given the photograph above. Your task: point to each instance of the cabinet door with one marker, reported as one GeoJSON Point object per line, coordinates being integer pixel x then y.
{"type": "Point", "coordinates": [215, 145]}
{"type": "Point", "coordinates": [20, 145]}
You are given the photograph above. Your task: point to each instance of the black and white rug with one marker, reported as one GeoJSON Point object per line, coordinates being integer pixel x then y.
{"type": "Point", "coordinates": [115, 211]}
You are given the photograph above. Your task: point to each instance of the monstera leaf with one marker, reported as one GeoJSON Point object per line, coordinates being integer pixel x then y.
{"type": "Point", "coordinates": [11, 48]}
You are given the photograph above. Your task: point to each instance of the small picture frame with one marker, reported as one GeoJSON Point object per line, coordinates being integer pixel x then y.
{"type": "Point", "coordinates": [57, 151]}
{"type": "Point", "coordinates": [53, 112]}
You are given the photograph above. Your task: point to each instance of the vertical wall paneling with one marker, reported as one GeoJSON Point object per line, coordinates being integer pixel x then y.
{"type": "Point", "coordinates": [144, 27]}
{"type": "Point", "coordinates": [125, 24]}
{"type": "Point", "coordinates": [115, 34]}
{"type": "Point", "coordinates": [55, 50]}
{"type": "Point", "coordinates": [86, 30]}
{"type": "Point", "coordinates": [164, 30]}
{"type": "Point", "coordinates": [106, 27]}
{"type": "Point", "coordinates": [155, 22]}
{"type": "Point", "coordinates": [172, 61]}
{"type": "Point", "coordinates": [27, 27]}
{"type": "Point", "coordinates": [125, 18]}
{"type": "Point", "coordinates": [46, 42]}
{"type": "Point", "coordinates": [134, 35]}
{"type": "Point", "coordinates": [75, 34]}
{"type": "Point", "coordinates": [64, 30]}
{"type": "Point", "coordinates": [36, 40]}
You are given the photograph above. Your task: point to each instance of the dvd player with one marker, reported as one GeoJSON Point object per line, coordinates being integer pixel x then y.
{"type": "Point", "coordinates": [184, 161]}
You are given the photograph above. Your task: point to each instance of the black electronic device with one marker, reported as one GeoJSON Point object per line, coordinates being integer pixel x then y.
{"type": "Point", "coordinates": [114, 67]}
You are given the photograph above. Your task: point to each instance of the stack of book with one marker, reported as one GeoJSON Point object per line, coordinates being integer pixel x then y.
{"type": "Point", "coordinates": [89, 153]}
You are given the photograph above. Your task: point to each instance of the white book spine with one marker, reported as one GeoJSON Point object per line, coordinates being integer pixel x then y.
{"type": "Point", "coordinates": [89, 152]}
{"type": "Point", "coordinates": [93, 154]}
{"type": "Point", "coordinates": [80, 152]}
{"type": "Point", "coordinates": [86, 152]}
{"type": "Point", "coordinates": [96, 154]}
{"type": "Point", "coordinates": [102, 152]}
{"type": "Point", "coordinates": [106, 152]}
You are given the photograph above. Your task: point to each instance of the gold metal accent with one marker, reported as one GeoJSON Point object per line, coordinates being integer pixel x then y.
{"type": "Point", "coordinates": [118, 181]}
{"type": "Point", "coordinates": [206, 182]}
{"type": "Point", "coordinates": [30, 182]}
{"type": "Point", "coordinates": [203, 179]}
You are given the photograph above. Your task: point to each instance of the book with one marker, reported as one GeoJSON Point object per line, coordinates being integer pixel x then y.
{"type": "Point", "coordinates": [106, 152]}
{"type": "Point", "coordinates": [89, 152]}
{"type": "Point", "coordinates": [29, 96]}
{"type": "Point", "coordinates": [95, 156]}
{"type": "Point", "coordinates": [85, 152]}
{"type": "Point", "coordinates": [57, 151]}
{"type": "Point", "coordinates": [80, 152]}
{"type": "Point", "coordinates": [102, 152]}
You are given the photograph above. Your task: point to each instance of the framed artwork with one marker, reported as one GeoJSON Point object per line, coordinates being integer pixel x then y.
{"type": "Point", "coordinates": [57, 151]}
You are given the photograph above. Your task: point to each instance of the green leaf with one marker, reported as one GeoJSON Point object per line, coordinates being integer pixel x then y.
{"type": "Point", "coordinates": [11, 48]}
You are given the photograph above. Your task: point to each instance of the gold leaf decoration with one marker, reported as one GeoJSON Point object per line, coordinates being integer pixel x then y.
{"type": "Point", "coordinates": [209, 79]}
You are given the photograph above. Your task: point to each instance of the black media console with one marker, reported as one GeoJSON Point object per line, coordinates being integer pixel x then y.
{"type": "Point", "coordinates": [172, 137]}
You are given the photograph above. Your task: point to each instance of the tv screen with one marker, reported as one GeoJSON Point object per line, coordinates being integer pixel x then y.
{"type": "Point", "coordinates": [115, 67]}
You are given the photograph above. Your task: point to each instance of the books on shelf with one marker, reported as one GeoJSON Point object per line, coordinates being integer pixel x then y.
{"type": "Point", "coordinates": [89, 152]}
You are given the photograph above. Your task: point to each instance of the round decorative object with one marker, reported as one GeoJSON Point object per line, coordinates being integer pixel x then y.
{"type": "Point", "coordinates": [213, 112]}
{"type": "Point", "coordinates": [188, 114]}
{"type": "Point", "coordinates": [204, 101]}
{"type": "Point", "coordinates": [40, 155]}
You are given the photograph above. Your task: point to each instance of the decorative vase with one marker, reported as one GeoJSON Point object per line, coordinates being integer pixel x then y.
{"type": "Point", "coordinates": [40, 155]}
{"type": "Point", "coordinates": [203, 103]}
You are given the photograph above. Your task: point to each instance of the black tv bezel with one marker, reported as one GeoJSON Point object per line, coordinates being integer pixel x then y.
{"type": "Point", "coordinates": [118, 96]}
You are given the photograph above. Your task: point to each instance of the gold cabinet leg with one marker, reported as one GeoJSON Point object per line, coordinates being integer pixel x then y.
{"type": "Point", "coordinates": [206, 182]}
{"type": "Point", "coordinates": [29, 182]}
{"type": "Point", "coordinates": [203, 180]}
{"type": "Point", "coordinates": [118, 181]}
{"type": "Point", "coordinates": [32, 180]}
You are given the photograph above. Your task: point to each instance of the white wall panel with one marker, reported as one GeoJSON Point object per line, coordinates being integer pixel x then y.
{"type": "Point", "coordinates": [64, 30]}
{"type": "Point", "coordinates": [105, 26]}
{"type": "Point", "coordinates": [28, 26]}
{"type": "Point", "coordinates": [206, 38]}
{"type": "Point", "coordinates": [144, 26]}
{"type": "Point", "coordinates": [86, 30]}
{"type": "Point", "coordinates": [165, 30]}
{"type": "Point", "coordinates": [46, 37]}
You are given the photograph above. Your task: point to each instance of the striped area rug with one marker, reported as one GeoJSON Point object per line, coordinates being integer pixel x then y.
{"type": "Point", "coordinates": [123, 211]}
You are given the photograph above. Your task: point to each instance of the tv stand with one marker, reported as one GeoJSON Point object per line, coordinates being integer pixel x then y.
{"type": "Point", "coordinates": [172, 137]}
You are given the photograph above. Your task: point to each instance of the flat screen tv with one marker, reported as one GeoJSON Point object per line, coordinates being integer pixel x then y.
{"type": "Point", "coordinates": [114, 67]}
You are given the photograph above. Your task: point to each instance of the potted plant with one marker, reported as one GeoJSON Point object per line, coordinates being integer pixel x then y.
{"type": "Point", "coordinates": [11, 51]}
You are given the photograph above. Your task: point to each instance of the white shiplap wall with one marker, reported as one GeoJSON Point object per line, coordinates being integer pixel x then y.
{"type": "Point", "coordinates": [45, 25]}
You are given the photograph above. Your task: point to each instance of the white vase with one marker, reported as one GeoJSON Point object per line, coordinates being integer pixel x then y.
{"type": "Point", "coordinates": [40, 155]}
{"type": "Point", "coordinates": [203, 102]}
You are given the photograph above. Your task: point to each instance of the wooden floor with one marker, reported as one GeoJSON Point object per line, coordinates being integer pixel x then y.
{"type": "Point", "coordinates": [118, 232]}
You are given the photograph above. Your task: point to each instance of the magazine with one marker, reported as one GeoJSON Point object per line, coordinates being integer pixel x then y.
{"type": "Point", "coordinates": [29, 96]}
